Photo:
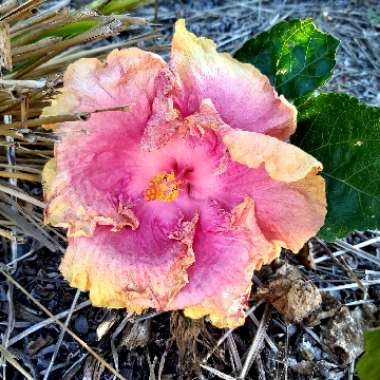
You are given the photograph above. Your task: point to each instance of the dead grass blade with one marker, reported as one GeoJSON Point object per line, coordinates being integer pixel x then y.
{"type": "Point", "coordinates": [45, 322]}
{"type": "Point", "coordinates": [50, 15]}
{"type": "Point", "coordinates": [217, 373]}
{"type": "Point", "coordinates": [23, 83]}
{"type": "Point", "coordinates": [5, 46]}
{"type": "Point", "coordinates": [19, 175]}
{"type": "Point", "coordinates": [7, 5]}
{"type": "Point", "coordinates": [21, 195]}
{"type": "Point", "coordinates": [7, 234]}
{"type": "Point", "coordinates": [21, 11]}
{"type": "Point", "coordinates": [257, 343]}
{"type": "Point", "coordinates": [234, 353]}
{"type": "Point", "coordinates": [26, 227]}
{"type": "Point", "coordinates": [10, 359]}
{"type": "Point", "coordinates": [357, 251]}
{"type": "Point", "coordinates": [61, 335]}
{"type": "Point", "coordinates": [79, 116]}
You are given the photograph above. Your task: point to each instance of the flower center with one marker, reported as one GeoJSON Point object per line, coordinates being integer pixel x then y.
{"type": "Point", "coordinates": [163, 187]}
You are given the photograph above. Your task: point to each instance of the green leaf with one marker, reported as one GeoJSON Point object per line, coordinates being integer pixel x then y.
{"type": "Point", "coordinates": [72, 30]}
{"type": "Point", "coordinates": [295, 55]}
{"type": "Point", "coordinates": [67, 31]}
{"type": "Point", "coordinates": [107, 7]}
{"type": "Point", "coordinates": [368, 366]}
{"type": "Point", "coordinates": [344, 134]}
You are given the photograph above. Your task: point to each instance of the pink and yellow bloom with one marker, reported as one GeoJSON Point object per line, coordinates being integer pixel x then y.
{"type": "Point", "coordinates": [175, 201]}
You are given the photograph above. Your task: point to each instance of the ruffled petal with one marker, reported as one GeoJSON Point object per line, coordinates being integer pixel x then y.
{"type": "Point", "coordinates": [228, 247]}
{"type": "Point", "coordinates": [287, 212]}
{"type": "Point", "coordinates": [94, 158]}
{"type": "Point", "coordinates": [242, 95]}
{"type": "Point", "coordinates": [291, 212]}
{"type": "Point", "coordinates": [126, 79]}
{"type": "Point", "coordinates": [283, 161]}
{"type": "Point", "coordinates": [282, 180]}
{"type": "Point", "coordinates": [102, 178]}
{"type": "Point", "coordinates": [91, 183]}
{"type": "Point", "coordinates": [165, 119]}
{"type": "Point", "coordinates": [133, 269]}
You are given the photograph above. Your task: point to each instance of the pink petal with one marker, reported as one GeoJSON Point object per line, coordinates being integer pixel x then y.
{"type": "Point", "coordinates": [133, 269]}
{"type": "Point", "coordinates": [102, 177]}
{"type": "Point", "coordinates": [282, 161]}
{"type": "Point", "coordinates": [126, 79]}
{"type": "Point", "coordinates": [228, 247]}
{"type": "Point", "coordinates": [288, 212]}
{"type": "Point", "coordinates": [282, 180]}
{"type": "Point", "coordinates": [241, 94]}
{"type": "Point", "coordinates": [165, 119]}
{"type": "Point", "coordinates": [92, 157]}
{"type": "Point", "coordinates": [90, 185]}
{"type": "Point", "coordinates": [291, 213]}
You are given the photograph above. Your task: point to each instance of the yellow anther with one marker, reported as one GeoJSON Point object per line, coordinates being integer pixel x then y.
{"type": "Point", "coordinates": [163, 187]}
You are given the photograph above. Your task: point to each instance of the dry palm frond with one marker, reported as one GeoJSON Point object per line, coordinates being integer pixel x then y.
{"type": "Point", "coordinates": [38, 39]}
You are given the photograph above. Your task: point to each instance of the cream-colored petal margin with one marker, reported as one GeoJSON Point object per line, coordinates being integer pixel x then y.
{"type": "Point", "coordinates": [48, 176]}
{"type": "Point", "coordinates": [283, 161]}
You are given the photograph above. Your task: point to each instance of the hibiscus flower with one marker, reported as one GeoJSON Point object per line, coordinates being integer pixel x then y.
{"type": "Point", "coordinates": [172, 201]}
